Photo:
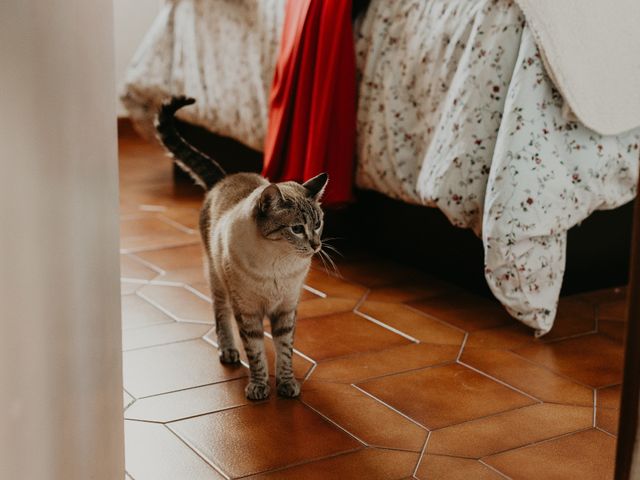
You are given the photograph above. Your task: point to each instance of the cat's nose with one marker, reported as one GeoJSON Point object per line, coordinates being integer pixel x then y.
{"type": "Point", "coordinates": [315, 245]}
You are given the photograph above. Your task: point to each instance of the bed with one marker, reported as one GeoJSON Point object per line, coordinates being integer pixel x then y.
{"type": "Point", "coordinates": [455, 111]}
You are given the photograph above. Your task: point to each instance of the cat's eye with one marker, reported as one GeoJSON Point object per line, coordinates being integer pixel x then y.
{"type": "Point", "coordinates": [297, 229]}
{"type": "Point", "coordinates": [317, 225]}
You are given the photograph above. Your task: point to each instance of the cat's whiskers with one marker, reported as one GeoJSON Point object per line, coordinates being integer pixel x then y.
{"type": "Point", "coordinates": [324, 255]}
{"type": "Point", "coordinates": [332, 248]}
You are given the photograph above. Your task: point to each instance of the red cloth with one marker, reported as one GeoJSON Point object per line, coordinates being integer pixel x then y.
{"type": "Point", "coordinates": [312, 106]}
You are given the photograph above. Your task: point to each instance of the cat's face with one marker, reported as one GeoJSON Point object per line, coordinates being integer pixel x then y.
{"type": "Point", "coordinates": [290, 213]}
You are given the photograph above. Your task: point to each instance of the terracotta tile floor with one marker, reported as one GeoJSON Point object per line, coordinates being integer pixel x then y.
{"type": "Point", "coordinates": [404, 375]}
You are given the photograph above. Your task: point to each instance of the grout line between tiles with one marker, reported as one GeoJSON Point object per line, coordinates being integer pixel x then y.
{"type": "Point", "coordinates": [145, 207]}
{"type": "Point", "coordinates": [166, 283]}
{"type": "Point", "coordinates": [391, 407]}
{"type": "Point", "coordinates": [304, 462]}
{"type": "Point", "coordinates": [198, 453]}
{"type": "Point", "coordinates": [308, 374]}
{"type": "Point", "coordinates": [139, 420]}
{"type": "Point", "coordinates": [384, 375]}
{"type": "Point", "coordinates": [494, 469]}
{"type": "Point", "coordinates": [126, 407]}
{"type": "Point", "coordinates": [129, 393]}
{"type": "Point", "coordinates": [136, 281]}
{"type": "Point", "coordinates": [314, 291]}
{"type": "Point", "coordinates": [522, 392]}
{"type": "Point", "coordinates": [617, 384]}
{"type": "Point", "coordinates": [560, 374]}
{"type": "Point", "coordinates": [335, 423]}
{"type": "Point", "coordinates": [432, 317]}
{"type": "Point", "coordinates": [484, 417]}
{"type": "Point", "coordinates": [199, 322]}
{"type": "Point", "coordinates": [157, 306]}
{"type": "Point", "coordinates": [595, 406]}
{"type": "Point", "coordinates": [421, 456]}
{"type": "Point", "coordinates": [162, 344]}
{"type": "Point", "coordinates": [384, 325]}
{"type": "Point", "coordinates": [568, 337]}
{"type": "Point", "coordinates": [606, 433]}
{"type": "Point", "coordinates": [197, 415]}
{"type": "Point", "coordinates": [196, 292]}
{"type": "Point", "coordinates": [362, 299]}
{"type": "Point", "coordinates": [152, 248]}
{"type": "Point", "coordinates": [394, 449]}
{"type": "Point", "coordinates": [347, 356]}
{"type": "Point", "coordinates": [462, 345]}
{"type": "Point", "coordinates": [567, 404]}
{"type": "Point", "coordinates": [176, 225]}
{"type": "Point", "coordinates": [539, 442]}
{"type": "Point", "coordinates": [190, 388]}
{"type": "Point", "coordinates": [147, 264]}
{"type": "Point", "coordinates": [451, 455]}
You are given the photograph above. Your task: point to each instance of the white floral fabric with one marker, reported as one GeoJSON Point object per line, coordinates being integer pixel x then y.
{"type": "Point", "coordinates": [455, 111]}
{"type": "Point", "coordinates": [221, 52]}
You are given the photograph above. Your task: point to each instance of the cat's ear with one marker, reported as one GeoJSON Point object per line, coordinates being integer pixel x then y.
{"type": "Point", "coordinates": [315, 186]}
{"type": "Point", "coordinates": [269, 197]}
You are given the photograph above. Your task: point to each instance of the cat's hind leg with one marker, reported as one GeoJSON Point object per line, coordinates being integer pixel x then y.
{"type": "Point", "coordinates": [224, 326]}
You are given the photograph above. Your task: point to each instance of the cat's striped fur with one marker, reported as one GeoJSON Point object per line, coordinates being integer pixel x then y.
{"type": "Point", "coordinates": [259, 238]}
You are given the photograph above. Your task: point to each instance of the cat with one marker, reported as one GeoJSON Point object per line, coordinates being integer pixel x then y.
{"type": "Point", "coordinates": [259, 238]}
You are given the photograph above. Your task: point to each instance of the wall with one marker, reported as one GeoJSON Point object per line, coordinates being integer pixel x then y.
{"type": "Point", "coordinates": [132, 18]}
{"type": "Point", "coordinates": [60, 331]}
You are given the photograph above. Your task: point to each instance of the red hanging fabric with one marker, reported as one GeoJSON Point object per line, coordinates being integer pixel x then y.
{"type": "Point", "coordinates": [312, 106]}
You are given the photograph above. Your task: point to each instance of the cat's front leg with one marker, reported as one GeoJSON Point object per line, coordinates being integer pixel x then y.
{"type": "Point", "coordinates": [283, 327]}
{"type": "Point", "coordinates": [252, 334]}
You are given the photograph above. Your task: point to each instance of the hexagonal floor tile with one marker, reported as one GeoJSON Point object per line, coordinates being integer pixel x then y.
{"type": "Point", "coordinates": [191, 402]}
{"type": "Point", "coordinates": [147, 233]}
{"type": "Point", "coordinates": [283, 432]}
{"type": "Point", "coordinates": [357, 368]}
{"type": "Point", "coordinates": [362, 416]}
{"type": "Point", "coordinates": [135, 338]}
{"type": "Point", "coordinates": [602, 365]}
{"type": "Point", "coordinates": [437, 397]}
{"type": "Point", "coordinates": [132, 268]}
{"type": "Point", "coordinates": [137, 312]}
{"type": "Point", "coordinates": [342, 334]}
{"type": "Point", "coordinates": [154, 452]}
{"type": "Point", "coordinates": [464, 310]}
{"type": "Point", "coordinates": [451, 468]}
{"type": "Point", "coordinates": [412, 323]}
{"type": "Point", "coordinates": [529, 377]}
{"type": "Point", "coordinates": [587, 455]}
{"type": "Point", "coordinates": [509, 430]}
{"type": "Point", "coordinates": [177, 366]}
{"type": "Point", "coordinates": [181, 302]}
{"type": "Point", "coordinates": [369, 463]}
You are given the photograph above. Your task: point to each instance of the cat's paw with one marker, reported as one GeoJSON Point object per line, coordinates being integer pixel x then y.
{"type": "Point", "coordinates": [257, 391]}
{"type": "Point", "coordinates": [229, 356]}
{"type": "Point", "coordinates": [289, 388]}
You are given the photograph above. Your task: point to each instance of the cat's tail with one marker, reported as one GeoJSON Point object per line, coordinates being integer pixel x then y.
{"type": "Point", "coordinates": [202, 168]}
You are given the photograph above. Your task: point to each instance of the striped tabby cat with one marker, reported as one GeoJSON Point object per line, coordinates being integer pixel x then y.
{"type": "Point", "coordinates": [259, 238]}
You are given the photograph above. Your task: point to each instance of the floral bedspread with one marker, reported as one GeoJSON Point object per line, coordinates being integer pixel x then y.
{"type": "Point", "coordinates": [455, 111]}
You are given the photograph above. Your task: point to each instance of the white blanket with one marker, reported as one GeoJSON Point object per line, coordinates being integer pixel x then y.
{"type": "Point", "coordinates": [455, 111]}
{"type": "Point", "coordinates": [591, 48]}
